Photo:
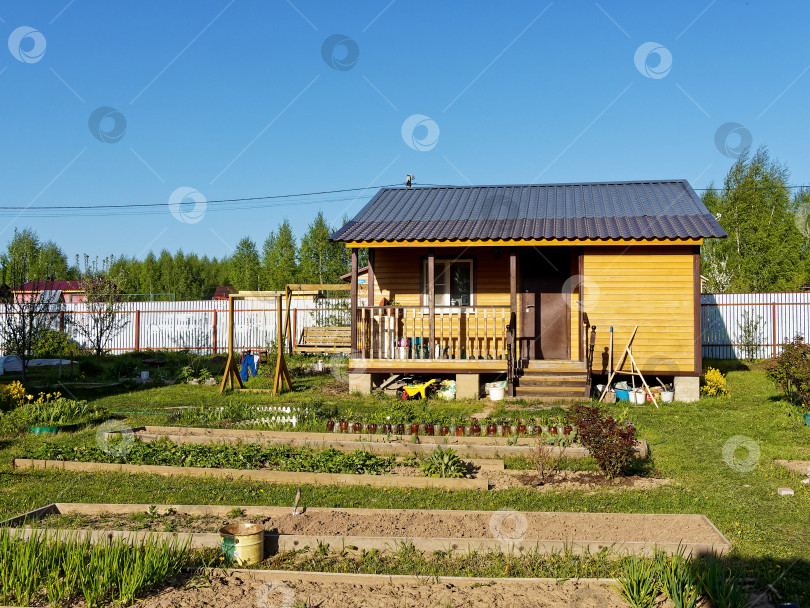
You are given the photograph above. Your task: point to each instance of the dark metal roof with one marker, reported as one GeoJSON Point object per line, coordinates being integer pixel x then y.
{"type": "Point", "coordinates": [619, 210]}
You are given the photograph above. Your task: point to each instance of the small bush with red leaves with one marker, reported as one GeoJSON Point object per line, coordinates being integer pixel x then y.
{"type": "Point", "coordinates": [609, 441]}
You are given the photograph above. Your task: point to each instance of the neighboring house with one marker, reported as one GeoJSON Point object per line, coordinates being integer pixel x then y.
{"type": "Point", "coordinates": [71, 291]}
{"type": "Point", "coordinates": [223, 291]}
{"type": "Point", "coordinates": [467, 271]}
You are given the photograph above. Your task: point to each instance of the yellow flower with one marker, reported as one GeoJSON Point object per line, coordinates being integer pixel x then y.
{"type": "Point", "coordinates": [29, 397]}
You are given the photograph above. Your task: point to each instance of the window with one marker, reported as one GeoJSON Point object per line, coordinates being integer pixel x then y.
{"type": "Point", "coordinates": [453, 282]}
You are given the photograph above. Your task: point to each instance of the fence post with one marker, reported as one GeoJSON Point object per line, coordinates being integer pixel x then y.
{"type": "Point", "coordinates": [214, 333]}
{"type": "Point", "coordinates": [62, 321]}
{"type": "Point", "coordinates": [137, 330]}
{"type": "Point", "coordinates": [773, 325]}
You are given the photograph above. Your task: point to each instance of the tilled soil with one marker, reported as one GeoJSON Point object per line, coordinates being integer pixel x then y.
{"type": "Point", "coordinates": [241, 590]}
{"type": "Point", "coordinates": [599, 527]}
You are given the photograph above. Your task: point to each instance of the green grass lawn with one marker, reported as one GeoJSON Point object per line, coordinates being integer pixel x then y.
{"type": "Point", "coordinates": [770, 533]}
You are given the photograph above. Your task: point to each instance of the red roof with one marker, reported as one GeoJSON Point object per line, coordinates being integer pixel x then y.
{"type": "Point", "coordinates": [37, 286]}
{"type": "Point", "coordinates": [222, 292]}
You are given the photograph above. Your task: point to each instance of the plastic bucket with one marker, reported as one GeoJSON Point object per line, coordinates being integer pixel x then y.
{"type": "Point", "coordinates": [667, 396]}
{"type": "Point", "coordinates": [496, 393]}
{"type": "Point", "coordinates": [622, 395]}
{"type": "Point", "coordinates": [243, 544]}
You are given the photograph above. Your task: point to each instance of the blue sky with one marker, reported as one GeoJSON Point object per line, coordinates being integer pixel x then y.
{"type": "Point", "coordinates": [236, 99]}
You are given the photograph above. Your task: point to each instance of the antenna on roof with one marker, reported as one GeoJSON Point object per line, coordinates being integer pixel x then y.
{"type": "Point", "coordinates": [408, 180]}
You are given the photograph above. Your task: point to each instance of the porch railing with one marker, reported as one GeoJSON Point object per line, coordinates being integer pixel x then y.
{"type": "Point", "coordinates": [403, 332]}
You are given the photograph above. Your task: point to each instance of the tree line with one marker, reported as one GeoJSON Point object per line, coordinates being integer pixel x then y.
{"type": "Point", "coordinates": [767, 249]}
{"type": "Point", "coordinates": [282, 259]}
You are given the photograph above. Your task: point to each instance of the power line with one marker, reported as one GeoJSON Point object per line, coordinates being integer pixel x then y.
{"type": "Point", "coordinates": [224, 200]}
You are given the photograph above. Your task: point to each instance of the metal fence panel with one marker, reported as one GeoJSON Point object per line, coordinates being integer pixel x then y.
{"type": "Point", "coordinates": [778, 318]}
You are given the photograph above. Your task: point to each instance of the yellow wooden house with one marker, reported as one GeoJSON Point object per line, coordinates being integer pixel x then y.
{"type": "Point", "coordinates": [526, 282]}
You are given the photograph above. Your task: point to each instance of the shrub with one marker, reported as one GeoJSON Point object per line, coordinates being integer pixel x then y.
{"type": "Point", "coordinates": [790, 371]}
{"type": "Point", "coordinates": [51, 344]}
{"type": "Point", "coordinates": [714, 383]}
{"type": "Point", "coordinates": [609, 441]}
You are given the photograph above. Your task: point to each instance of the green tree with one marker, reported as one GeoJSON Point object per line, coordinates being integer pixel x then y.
{"type": "Point", "coordinates": [280, 258]}
{"type": "Point", "coordinates": [322, 261]}
{"type": "Point", "coordinates": [102, 319]}
{"type": "Point", "coordinates": [28, 259]}
{"type": "Point", "coordinates": [244, 266]}
{"type": "Point", "coordinates": [764, 250]}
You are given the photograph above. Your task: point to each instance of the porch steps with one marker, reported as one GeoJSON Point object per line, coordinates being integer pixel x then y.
{"type": "Point", "coordinates": [552, 380]}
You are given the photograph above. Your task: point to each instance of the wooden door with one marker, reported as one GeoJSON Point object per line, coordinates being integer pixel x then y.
{"type": "Point", "coordinates": [545, 307]}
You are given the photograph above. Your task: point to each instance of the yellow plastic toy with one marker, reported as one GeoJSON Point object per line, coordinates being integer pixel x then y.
{"type": "Point", "coordinates": [416, 390]}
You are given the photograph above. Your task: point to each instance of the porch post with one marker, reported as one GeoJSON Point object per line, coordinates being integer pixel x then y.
{"type": "Point", "coordinates": [431, 300]}
{"type": "Point", "coordinates": [582, 328]}
{"type": "Point", "coordinates": [370, 278]}
{"type": "Point", "coordinates": [513, 347]}
{"type": "Point", "coordinates": [353, 339]}
{"type": "Point", "coordinates": [513, 280]}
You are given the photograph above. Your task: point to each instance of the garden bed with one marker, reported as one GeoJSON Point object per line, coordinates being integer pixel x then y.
{"type": "Point", "coordinates": [384, 529]}
{"type": "Point", "coordinates": [466, 447]}
{"type": "Point", "coordinates": [263, 475]}
{"type": "Point", "coordinates": [249, 588]}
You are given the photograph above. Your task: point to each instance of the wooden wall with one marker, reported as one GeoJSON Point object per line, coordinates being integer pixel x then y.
{"type": "Point", "coordinates": [652, 287]}
{"type": "Point", "coordinates": [397, 273]}
{"type": "Point", "coordinates": [646, 285]}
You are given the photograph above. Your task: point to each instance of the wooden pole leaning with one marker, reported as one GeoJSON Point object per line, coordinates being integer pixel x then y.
{"type": "Point", "coordinates": [282, 375]}
{"type": "Point", "coordinates": [231, 367]}
{"type": "Point", "coordinates": [634, 369]}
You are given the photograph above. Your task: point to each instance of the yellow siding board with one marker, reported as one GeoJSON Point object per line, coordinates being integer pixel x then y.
{"type": "Point", "coordinates": [653, 289]}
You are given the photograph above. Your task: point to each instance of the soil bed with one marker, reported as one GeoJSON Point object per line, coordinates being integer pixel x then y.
{"type": "Point", "coordinates": [243, 589]}
{"type": "Point", "coordinates": [395, 523]}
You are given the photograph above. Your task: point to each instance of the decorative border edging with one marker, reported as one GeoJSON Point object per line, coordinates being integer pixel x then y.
{"type": "Point", "coordinates": [286, 477]}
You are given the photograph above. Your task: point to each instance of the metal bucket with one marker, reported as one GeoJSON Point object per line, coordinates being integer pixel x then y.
{"type": "Point", "coordinates": [243, 544]}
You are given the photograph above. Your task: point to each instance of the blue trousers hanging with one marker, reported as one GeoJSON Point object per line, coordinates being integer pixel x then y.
{"type": "Point", "coordinates": [248, 362]}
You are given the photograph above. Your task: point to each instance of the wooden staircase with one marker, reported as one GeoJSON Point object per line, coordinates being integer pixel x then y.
{"type": "Point", "coordinates": [552, 380]}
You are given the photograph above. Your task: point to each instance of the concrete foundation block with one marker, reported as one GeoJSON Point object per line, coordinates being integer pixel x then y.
{"type": "Point", "coordinates": [687, 388]}
{"type": "Point", "coordinates": [468, 386]}
{"type": "Point", "coordinates": [360, 383]}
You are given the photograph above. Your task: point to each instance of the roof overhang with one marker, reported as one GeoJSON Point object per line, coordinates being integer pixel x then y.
{"type": "Point", "coordinates": [524, 243]}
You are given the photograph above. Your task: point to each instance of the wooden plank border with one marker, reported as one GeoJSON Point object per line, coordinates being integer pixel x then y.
{"type": "Point", "coordinates": [285, 477]}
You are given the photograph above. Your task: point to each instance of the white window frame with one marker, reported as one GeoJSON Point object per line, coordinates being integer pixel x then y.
{"type": "Point", "coordinates": [443, 298]}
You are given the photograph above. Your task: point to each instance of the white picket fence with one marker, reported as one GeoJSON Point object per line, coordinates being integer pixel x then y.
{"type": "Point", "coordinates": [201, 326]}
{"type": "Point", "coordinates": [779, 316]}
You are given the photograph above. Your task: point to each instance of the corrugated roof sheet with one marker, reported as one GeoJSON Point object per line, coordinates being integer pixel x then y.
{"type": "Point", "coordinates": [619, 210]}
